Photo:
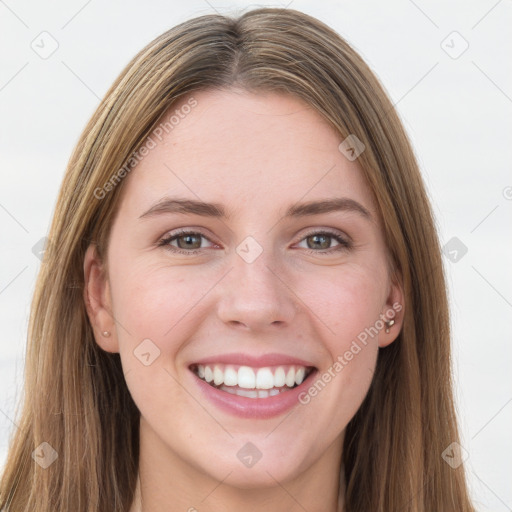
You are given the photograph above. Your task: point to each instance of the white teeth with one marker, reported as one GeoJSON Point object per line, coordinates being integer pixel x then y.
{"type": "Point", "coordinates": [245, 377]}
{"type": "Point", "coordinates": [252, 393]}
{"type": "Point", "coordinates": [249, 393]}
{"type": "Point", "coordinates": [230, 376]}
{"type": "Point", "coordinates": [279, 377]}
{"type": "Point", "coordinates": [264, 379]}
{"type": "Point", "coordinates": [290, 378]}
{"type": "Point", "coordinates": [299, 375]}
{"type": "Point", "coordinates": [208, 374]}
{"type": "Point", "coordinates": [218, 376]}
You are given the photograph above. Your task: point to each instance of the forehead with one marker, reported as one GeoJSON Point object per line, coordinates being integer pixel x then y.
{"type": "Point", "coordinates": [247, 151]}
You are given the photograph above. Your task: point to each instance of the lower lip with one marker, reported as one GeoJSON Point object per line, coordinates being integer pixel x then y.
{"type": "Point", "coordinates": [245, 407]}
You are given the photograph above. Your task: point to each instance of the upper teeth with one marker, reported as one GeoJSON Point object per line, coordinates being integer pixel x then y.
{"type": "Point", "coordinates": [252, 378]}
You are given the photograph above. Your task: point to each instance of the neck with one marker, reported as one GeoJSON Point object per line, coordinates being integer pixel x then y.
{"type": "Point", "coordinates": [167, 483]}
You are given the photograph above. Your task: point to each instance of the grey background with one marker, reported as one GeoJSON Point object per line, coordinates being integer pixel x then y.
{"type": "Point", "coordinates": [456, 109]}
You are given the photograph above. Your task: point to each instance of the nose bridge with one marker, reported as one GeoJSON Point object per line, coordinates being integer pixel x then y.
{"type": "Point", "coordinates": [255, 294]}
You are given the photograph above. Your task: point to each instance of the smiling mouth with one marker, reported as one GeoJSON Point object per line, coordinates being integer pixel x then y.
{"type": "Point", "coordinates": [252, 382]}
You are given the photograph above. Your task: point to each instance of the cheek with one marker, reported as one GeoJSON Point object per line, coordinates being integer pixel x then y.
{"type": "Point", "coordinates": [348, 306]}
{"type": "Point", "coordinates": [152, 305]}
{"type": "Point", "coordinates": [151, 300]}
{"type": "Point", "coordinates": [346, 301]}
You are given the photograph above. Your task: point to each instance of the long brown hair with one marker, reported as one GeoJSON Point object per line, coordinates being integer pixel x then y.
{"type": "Point", "coordinates": [75, 395]}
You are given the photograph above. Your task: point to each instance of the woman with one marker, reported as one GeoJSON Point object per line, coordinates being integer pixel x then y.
{"type": "Point", "coordinates": [243, 302]}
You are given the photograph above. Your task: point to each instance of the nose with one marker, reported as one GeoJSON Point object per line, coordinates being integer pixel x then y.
{"type": "Point", "coordinates": [256, 295]}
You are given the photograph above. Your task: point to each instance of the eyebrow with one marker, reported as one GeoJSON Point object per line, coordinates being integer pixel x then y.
{"type": "Point", "coordinates": [191, 206]}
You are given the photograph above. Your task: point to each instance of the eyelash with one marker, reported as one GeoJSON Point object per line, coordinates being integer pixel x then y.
{"type": "Point", "coordinates": [344, 244]}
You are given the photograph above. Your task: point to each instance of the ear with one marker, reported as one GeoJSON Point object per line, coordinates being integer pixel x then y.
{"type": "Point", "coordinates": [393, 310]}
{"type": "Point", "coordinates": [98, 302]}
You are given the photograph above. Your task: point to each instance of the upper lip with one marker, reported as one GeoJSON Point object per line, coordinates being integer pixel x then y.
{"type": "Point", "coordinates": [264, 360]}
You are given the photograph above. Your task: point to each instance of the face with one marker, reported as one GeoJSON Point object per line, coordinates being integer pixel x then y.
{"type": "Point", "coordinates": [272, 297]}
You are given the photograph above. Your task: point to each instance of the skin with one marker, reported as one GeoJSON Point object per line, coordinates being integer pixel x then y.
{"type": "Point", "coordinates": [256, 155]}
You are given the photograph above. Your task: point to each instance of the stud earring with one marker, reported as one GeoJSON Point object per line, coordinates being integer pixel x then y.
{"type": "Point", "coordinates": [389, 323]}
{"type": "Point", "coordinates": [106, 334]}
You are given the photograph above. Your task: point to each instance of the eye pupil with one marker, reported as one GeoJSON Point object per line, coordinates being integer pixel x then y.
{"type": "Point", "coordinates": [188, 239]}
{"type": "Point", "coordinates": [324, 245]}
